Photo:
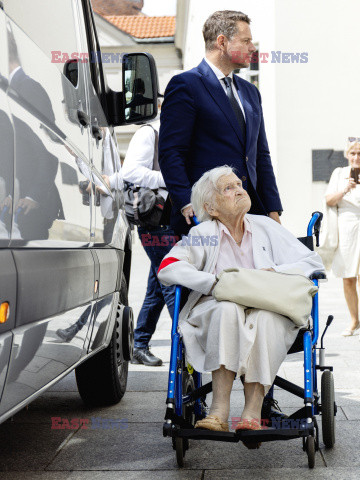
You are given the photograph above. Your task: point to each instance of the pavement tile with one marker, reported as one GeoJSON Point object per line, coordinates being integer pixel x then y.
{"type": "Point", "coordinates": [352, 412]}
{"type": "Point", "coordinates": [106, 475]}
{"type": "Point", "coordinates": [29, 475]}
{"type": "Point", "coordinates": [303, 473]}
{"type": "Point", "coordinates": [346, 450]}
{"type": "Point", "coordinates": [28, 446]}
{"type": "Point", "coordinates": [134, 407]}
{"type": "Point", "coordinates": [137, 447]}
{"type": "Point", "coordinates": [144, 448]}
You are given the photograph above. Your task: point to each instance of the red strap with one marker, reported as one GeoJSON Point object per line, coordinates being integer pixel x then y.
{"type": "Point", "coordinates": [166, 262]}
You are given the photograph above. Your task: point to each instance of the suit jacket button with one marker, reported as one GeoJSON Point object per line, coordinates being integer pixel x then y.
{"type": "Point", "coordinates": [247, 159]}
{"type": "Point", "coordinates": [243, 179]}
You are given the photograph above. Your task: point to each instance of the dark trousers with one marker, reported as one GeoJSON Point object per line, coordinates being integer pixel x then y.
{"type": "Point", "coordinates": [157, 242]}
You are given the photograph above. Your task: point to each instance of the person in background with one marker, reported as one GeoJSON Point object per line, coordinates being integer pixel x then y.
{"type": "Point", "coordinates": [157, 241]}
{"type": "Point", "coordinates": [343, 193]}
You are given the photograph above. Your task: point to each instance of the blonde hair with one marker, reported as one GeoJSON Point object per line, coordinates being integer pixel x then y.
{"type": "Point", "coordinates": [203, 191]}
{"type": "Point", "coordinates": [350, 146]}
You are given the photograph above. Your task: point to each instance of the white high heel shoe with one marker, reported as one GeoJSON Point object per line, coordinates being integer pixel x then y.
{"type": "Point", "coordinates": [349, 333]}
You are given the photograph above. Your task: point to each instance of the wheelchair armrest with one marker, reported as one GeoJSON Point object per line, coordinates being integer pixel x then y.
{"type": "Point", "coordinates": [318, 275]}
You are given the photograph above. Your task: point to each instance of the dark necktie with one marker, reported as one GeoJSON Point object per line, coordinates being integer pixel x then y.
{"type": "Point", "coordinates": [235, 106]}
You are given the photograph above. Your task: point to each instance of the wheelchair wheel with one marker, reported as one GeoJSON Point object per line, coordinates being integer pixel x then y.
{"type": "Point", "coordinates": [180, 444]}
{"type": "Point", "coordinates": [180, 451]}
{"type": "Point", "coordinates": [328, 408]}
{"type": "Point", "coordinates": [310, 450]}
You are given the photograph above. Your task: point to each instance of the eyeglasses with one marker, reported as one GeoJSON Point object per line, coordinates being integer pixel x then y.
{"type": "Point", "coordinates": [353, 139]}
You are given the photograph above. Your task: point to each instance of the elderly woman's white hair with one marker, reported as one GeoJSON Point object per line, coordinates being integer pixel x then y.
{"type": "Point", "coordinates": [203, 191]}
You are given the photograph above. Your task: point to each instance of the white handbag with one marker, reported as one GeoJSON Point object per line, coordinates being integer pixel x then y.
{"type": "Point", "coordinates": [285, 293]}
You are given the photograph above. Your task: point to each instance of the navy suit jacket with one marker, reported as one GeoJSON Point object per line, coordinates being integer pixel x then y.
{"type": "Point", "coordinates": [199, 131]}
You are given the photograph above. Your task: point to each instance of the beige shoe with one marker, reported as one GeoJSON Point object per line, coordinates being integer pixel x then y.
{"type": "Point", "coordinates": [211, 422]}
{"type": "Point", "coordinates": [349, 333]}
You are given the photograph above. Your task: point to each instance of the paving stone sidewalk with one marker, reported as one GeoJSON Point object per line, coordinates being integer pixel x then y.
{"type": "Point", "coordinates": [136, 449]}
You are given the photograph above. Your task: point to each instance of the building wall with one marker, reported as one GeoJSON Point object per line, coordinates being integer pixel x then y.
{"type": "Point", "coordinates": [307, 106]}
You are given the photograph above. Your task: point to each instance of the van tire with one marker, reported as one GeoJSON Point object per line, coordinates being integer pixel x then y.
{"type": "Point", "coordinates": [102, 379]}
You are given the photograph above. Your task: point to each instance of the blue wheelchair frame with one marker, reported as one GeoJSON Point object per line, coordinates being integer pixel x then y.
{"type": "Point", "coordinates": [180, 426]}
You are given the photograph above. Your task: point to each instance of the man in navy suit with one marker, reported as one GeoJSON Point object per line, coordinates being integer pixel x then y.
{"type": "Point", "coordinates": [211, 117]}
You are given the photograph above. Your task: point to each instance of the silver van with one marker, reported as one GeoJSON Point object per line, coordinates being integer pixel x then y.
{"type": "Point", "coordinates": [65, 243]}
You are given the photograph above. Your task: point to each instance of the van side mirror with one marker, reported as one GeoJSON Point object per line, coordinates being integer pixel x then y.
{"type": "Point", "coordinates": [139, 87]}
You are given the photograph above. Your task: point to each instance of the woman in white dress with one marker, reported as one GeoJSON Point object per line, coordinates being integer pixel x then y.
{"type": "Point", "coordinates": [223, 337]}
{"type": "Point", "coordinates": [344, 193]}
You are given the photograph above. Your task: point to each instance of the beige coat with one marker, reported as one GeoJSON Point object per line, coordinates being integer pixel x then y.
{"type": "Point", "coordinates": [251, 342]}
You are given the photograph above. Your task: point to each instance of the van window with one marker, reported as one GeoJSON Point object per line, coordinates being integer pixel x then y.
{"type": "Point", "coordinates": [49, 24]}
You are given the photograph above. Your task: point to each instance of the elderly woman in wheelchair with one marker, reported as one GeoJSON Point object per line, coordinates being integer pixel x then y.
{"type": "Point", "coordinates": [223, 337]}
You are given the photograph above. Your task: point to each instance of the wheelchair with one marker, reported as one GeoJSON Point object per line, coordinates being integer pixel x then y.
{"type": "Point", "coordinates": [186, 395]}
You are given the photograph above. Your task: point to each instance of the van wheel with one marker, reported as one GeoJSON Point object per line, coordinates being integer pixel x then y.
{"type": "Point", "coordinates": [102, 379]}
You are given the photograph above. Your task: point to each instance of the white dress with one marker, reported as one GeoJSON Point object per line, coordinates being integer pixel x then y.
{"type": "Point", "coordinates": [346, 260]}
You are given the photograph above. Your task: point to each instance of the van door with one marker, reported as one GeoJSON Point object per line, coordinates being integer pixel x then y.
{"type": "Point", "coordinates": [6, 143]}
{"type": "Point", "coordinates": [7, 270]}
{"type": "Point", "coordinates": [51, 219]}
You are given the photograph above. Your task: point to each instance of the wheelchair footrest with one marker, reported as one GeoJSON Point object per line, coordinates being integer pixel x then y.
{"type": "Point", "coordinates": [252, 436]}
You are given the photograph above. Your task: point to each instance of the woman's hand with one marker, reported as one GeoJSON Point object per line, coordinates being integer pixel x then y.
{"type": "Point", "coordinates": [334, 198]}
{"type": "Point", "coordinates": [188, 212]}
{"type": "Point", "coordinates": [350, 185]}
{"type": "Point", "coordinates": [268, 269]}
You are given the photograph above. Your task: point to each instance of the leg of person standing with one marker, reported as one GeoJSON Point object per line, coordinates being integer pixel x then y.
{"type": "Point", "coordinates": [352, 301]}
{"type": "Point", "coordinates": [157, 242]}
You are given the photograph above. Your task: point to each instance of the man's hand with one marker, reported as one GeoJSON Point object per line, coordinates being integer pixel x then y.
{"type": "Point", "coordinates": [7, 202]}
{"type": "Point", "coordinates": [107, 181]}
{"type": "Point", "coordinates": [275, 216]}
{"type": "Point", "coordinates": [188, 212]}
{"type": "Point", "coordinates": [27, 204]}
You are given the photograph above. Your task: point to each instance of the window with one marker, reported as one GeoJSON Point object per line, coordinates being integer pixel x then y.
{"type": "Point", "coordinates": [94, 52]}
{"type": "Point", "coordinates": [252, 73]}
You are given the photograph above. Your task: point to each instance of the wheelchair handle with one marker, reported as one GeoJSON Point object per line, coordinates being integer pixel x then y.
{"type": "Point", "coordinates": [328, 323]}
{"type": "Point", "coordinates": [195, 220]}
{"type": "Point", "coordinates": [315, 223]}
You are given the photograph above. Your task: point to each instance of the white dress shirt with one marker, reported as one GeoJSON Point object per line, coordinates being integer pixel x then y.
{"type": "Point", "coordinates": [220, 77]}
{"type": "Point", "coordinates": [112, 168]}
{"type": "Point", "coordinates": [219, 74]}
{"type": "Point", "coordinates": [138, 163]}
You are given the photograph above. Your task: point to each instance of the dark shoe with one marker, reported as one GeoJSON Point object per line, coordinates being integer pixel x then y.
{"type": "Point", "coordinates": [67, 334]}
{"type": "Point", "coordinates": [271, 409]}
{"type": "Point", "coordinates": [145, 357]}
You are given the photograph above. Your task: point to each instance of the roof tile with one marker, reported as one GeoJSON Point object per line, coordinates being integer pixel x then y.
{"type": "Point", "coordinates": [142, 26]}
